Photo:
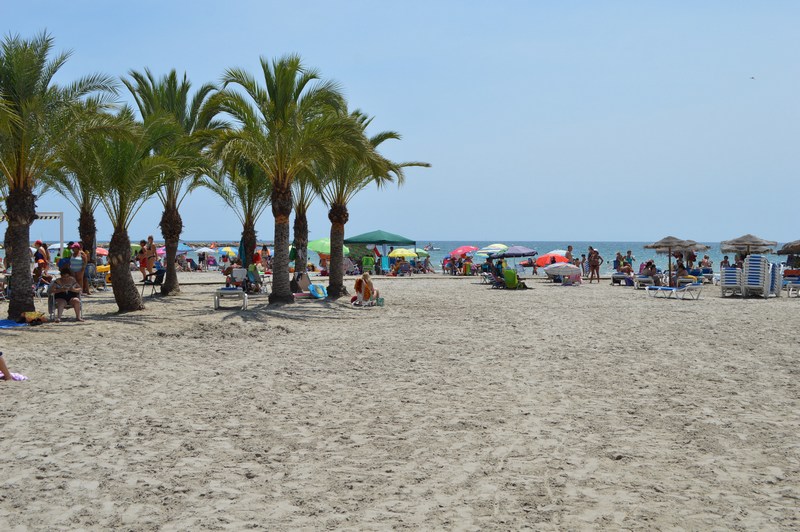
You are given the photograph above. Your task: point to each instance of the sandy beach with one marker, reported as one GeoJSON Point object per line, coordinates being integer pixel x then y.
{"type": "Point", "coordinates": [454, 406]}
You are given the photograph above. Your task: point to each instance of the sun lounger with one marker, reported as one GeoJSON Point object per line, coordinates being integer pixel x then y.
{"type": "Point", "coordinates": [230, 292]}
{"type": "Point", "coordinates": [792, 287]}
{"type": "Point", "coordinates": [643, 281]}
{"type": "Point", "coordinates": [689, 291]}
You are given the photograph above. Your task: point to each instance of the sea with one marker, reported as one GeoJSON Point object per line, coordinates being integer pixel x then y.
{"type": "Point", "coordinates": [608, 250]}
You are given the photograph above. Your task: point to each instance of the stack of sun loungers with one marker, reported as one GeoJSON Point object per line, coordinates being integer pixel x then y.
{"type": "Point", "coordinates": [730, 281]}
{"type": "Point", "coordinates": [759, 278]}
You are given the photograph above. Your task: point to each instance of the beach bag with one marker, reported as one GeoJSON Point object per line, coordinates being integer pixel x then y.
{"type": "Point", "coordinates": [33, 318]}
{"type": "Point", "coordinates": [379, 301]}
{"type": "Point", "coordinates": [317, 291]}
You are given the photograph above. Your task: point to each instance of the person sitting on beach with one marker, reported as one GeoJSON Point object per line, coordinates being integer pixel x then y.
{"type": "Point", "coordinates": [626, 268]}
{"type": "Point", "coordinates": [618, 261]}
{"type": "Point", "coordinates": [66, 291]}
{"type": "Point", "coordinates": [427, 267]}
{"type": "Point", "coordinates": [366, 293]}
{"type": "Point", "coordinates": [40, 274]}
{"type": "Point", "coordinates": [725, 263]}
{"type": "Point", "coordinates": [629, 258]}
{"type": "Point", "coordinates": [681, 272]}
{"type": "Point", "coordinates": [706, 262]}
{"type": "Point", "coordinates": [651, 271]}
{"type": "Point", "coordinates": [6, 372]}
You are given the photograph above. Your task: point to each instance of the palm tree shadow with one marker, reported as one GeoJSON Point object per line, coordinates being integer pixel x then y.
{"type": "Point", "coordinates": [303, 310]}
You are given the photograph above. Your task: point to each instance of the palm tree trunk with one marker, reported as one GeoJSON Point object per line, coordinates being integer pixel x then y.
{"type": "Point", "coordinates": [249, 239]}
{"type": "Point", "coordinates": [300, 241]}
{"type": "Point", "coordinates": [87, 230]}
{"type": "Point", "coordinates": [20, 212]}
{"type": "Point", "coordinates": [338, 216]}
{"type": "Point", "coordinates": [281, 210]}
{"type": "Point", "coordinates": [171, 227]}
{"type": "Point", "coordinates": [126, 294]}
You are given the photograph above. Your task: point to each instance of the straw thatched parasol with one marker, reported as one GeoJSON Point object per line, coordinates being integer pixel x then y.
{"type": "Point", "coordinates": [668, 244]}
{"type": "Point", "coordinates": [792, 248]}
{"type": "Point", "coordinates": [749, 244]}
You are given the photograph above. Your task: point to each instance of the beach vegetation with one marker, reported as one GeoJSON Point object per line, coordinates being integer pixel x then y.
{"type": "Point", "coordinates": [304, 194]}
{"type": "Point", "coordinates": [76, 170]}
{"type": "Point", "coordinates": [37, 115]}
{"type": "Point", "coordinates": [170, 98]}
{"type": "Point", "coordinates": [246, 189]}
{"type": "Point", "coordinates": [282, 126]}
{"type": "Point", "coordinates": [343, 180]}
{"type": "Point", "coordinates": [129, 172]}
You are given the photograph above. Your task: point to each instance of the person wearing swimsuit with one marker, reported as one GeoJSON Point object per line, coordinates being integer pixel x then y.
{"type": "Point", "coordinates": [151, 254]}
{"type": "Point", "coordinates": [66, 291]}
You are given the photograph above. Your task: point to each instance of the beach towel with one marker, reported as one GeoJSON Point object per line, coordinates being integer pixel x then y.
{"type": "Point", "coordinates": [14, 376]}
{"type": "Point", "coordinates": [7, 324]}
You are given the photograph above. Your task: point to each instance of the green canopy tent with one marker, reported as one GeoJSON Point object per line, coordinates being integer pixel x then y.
{"type": "Point", "coordinates": [382, 238]}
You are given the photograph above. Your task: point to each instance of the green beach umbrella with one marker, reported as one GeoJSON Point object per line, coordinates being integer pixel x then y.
{"type": "Point", "coordinates": [323, 245]}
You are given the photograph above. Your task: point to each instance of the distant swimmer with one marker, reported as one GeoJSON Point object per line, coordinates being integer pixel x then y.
{"type": "Point", "coordinates": [752, 77]}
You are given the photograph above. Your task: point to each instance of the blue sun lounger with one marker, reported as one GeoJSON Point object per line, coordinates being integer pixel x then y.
{"type": "Point", "coordinates": [689, 291]}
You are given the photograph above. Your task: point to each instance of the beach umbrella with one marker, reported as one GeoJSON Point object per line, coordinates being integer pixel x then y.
{"type": "Point", "coordinates": [135, 248]}
{"type": "Point", "coordinates": [206, 250]}
{"type": "Point", "coordinates": [547, 258]}
{"type": "Point", "coordinates": [792, 248]}
{"type": "Point", "coordinates": [54, 247]}
{"type": "Point", "coordinates": [516, 251]}
{"type": "Point", "coordinates": [463, 250]}
{"type": "Point", "coordinates": [402, 252]}
{"type": "Point", "coordinates": [748, 244]}
{"type": "Point", "coordinates": [227, 250]}
{"type": "Point", "coordinates": [491, 249]}
{"type": "Point", "coordinates": [668, 244]}
{"type": "Point", "coordinates": [103, 252]}
{"type": "Point", "coordinates": [323, 245]}
{"type": "Point", "coordinates": [562, 269]}
{"type": "Point", "coordinates": [422, 253]}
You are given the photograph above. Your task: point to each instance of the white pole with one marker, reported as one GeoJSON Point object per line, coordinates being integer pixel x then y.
{"type": "Point", "coordinates": [61, 233]}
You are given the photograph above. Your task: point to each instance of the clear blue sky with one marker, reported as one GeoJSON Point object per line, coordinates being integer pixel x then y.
{"type": "Point", "coordinates": [542, 120]}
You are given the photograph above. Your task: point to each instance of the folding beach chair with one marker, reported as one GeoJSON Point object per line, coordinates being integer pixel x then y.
{"type": "Point", "coordinates": [153, 280]}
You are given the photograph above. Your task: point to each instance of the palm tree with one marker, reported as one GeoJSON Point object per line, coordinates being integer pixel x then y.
{"type": "Point", "coordinates": [246, 189]}
{"type": "Point", "coordinates": [169, 96]}
{"type": "Point", "coordinates": [282, 127]}
{"type": "Point", "coordinates": [341, 182]}
{"type": "Point", "coordinates": [305, 192]}
{"type": "Point", "coordinates": [76, 170]}
{"type": "Point", "coordinates": [127, 175]}
{"type": "Point", "coordinates": [38, 117]}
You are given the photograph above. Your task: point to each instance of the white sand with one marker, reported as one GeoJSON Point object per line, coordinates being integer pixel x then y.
{"type": "Point", "coordinates": [454, 406]}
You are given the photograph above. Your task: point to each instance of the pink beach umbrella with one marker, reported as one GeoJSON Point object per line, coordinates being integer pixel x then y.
{"type": "Point", "coordinates": [463, 250]}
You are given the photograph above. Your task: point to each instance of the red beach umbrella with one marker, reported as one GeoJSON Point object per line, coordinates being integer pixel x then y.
{"type": "Point", "coordinates": [463, 250]}
{"type": "Point", "coordinates": [547, 259]}
{"type": "Point", "coordinates": [101, 251]}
